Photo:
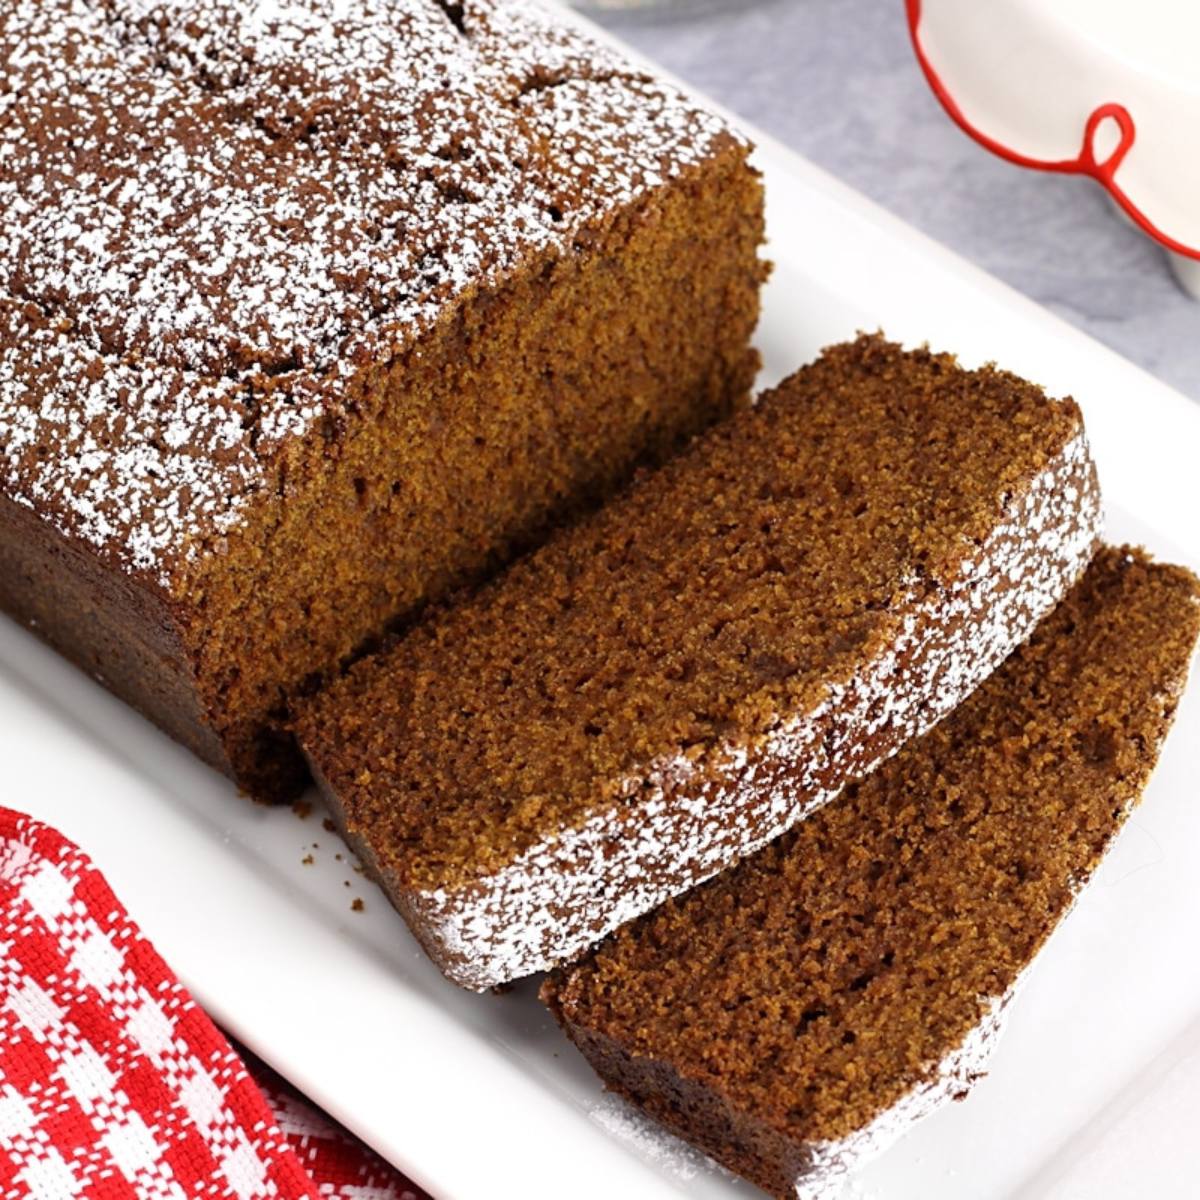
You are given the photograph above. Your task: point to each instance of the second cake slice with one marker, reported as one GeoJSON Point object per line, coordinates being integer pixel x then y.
{"type": "Point", "coordinates": [675, 681]}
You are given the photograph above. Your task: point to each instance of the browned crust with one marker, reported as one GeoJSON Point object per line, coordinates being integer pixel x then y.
{"type": "Point", "coordinates": [118, 628]}
{"type": "Point", "coordinates": [691, 1110]}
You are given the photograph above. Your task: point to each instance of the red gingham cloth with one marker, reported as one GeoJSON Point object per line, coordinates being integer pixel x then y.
{"type": "Point", "coordinates": [114, 1085]}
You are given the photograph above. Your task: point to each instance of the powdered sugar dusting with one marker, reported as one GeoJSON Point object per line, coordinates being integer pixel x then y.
{"type": "Point", "coordinates": [562, 895]}
{"type": "Point", "coordinates": [215, 211]}
{"type": "Point", "coordinates": [831, 1162]}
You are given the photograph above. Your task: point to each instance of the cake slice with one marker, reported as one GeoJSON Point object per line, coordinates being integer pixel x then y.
{"type": "Point", "coordinates": [673, 682]}
{"type": "Point", "coordinates": [796, 1014]}
{"type": "Point", "coordinates": [312, 312]}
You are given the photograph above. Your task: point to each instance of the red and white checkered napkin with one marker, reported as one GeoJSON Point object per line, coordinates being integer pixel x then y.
{"type": "Point", "coordinates": [114, 1085]}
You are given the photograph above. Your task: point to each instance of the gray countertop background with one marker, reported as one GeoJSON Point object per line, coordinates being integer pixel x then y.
{"type": "Point", "coordinates": [836, 80]}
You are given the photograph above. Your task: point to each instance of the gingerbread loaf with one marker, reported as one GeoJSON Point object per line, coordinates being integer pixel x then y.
{"type": "Point", "coordinates": [676, 680]}
{"type": "Point", "coordinates": [795, 1015]}
{"type": "Point", "coordinates": [311, 312]}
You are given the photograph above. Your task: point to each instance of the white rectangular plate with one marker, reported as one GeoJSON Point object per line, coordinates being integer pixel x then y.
{"type": "Point", "coordinates": [478, 1096]}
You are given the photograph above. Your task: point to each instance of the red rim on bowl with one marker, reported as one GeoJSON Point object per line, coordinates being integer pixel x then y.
{"type": "Point", "coordinates": [1103, 170]}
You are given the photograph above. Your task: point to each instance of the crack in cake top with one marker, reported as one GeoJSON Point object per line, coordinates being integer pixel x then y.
{"type": "Point", "coordinates": [212, 212]}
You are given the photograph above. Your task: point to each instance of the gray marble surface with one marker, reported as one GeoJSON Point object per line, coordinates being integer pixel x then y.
{"type": "Point", "coordinates": [836, 80]}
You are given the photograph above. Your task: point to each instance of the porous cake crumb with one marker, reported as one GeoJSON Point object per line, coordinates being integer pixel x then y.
{"type": "Point", "coordinates": [799, 1012]}
{"type": "Point", "coordinates": [677, 679]}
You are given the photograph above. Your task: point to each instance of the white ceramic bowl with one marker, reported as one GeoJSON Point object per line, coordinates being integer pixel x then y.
{"type": "Point", "coordinates": [1103, 88]}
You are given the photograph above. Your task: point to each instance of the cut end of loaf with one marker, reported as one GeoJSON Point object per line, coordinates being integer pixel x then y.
{"type": "Point", "coordinates": [358, 305]}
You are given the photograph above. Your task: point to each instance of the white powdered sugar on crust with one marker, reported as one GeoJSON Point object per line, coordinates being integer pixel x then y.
{"type": "Point", "coordinates": [213, 212]}
{"type": "Point", "coordinates": [825, 1176]}
{"type": "Point", "coordinates": [680, 825]}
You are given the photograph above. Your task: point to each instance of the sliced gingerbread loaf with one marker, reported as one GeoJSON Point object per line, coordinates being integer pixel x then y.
{"type": "Point", "coordinates": [310, 312]}
{"type": "Point", "coordinates": [676, 680]}
{"type": "Point", "coordinates": [796, 1014]}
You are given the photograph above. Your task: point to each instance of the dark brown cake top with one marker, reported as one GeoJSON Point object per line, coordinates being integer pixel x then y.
{"type": "Point", "coordinates": [818, 982]}
{"type": "Point", "coordinates": [679, 626]}
{"type": "Point", "coordinates": [211, 213]}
